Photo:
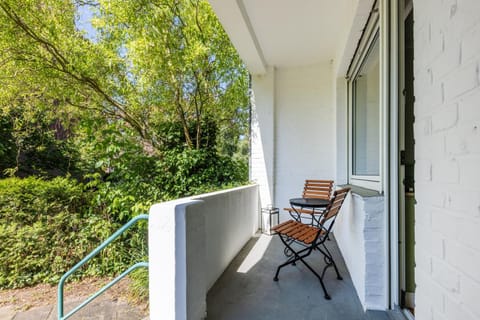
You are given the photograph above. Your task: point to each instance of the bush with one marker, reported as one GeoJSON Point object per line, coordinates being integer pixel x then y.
{"type": "Point", "coordinates": [189, 172]}
{"type": "Point", "coordinates": [138, 181]}
{"type": "Point", "coordinates": [46, 227]}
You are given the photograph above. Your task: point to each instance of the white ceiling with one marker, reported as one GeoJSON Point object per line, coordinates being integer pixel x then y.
{"type": "Point", "coordinates": [287, 28]}
{"type": "Point", "coordinates": [284, 33]}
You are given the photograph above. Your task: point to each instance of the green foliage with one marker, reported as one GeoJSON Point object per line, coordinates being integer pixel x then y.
{"type": "Point", "coordinates": [151, 63]}
{"type": "Point", "coordinates": [46, 227]}
{"type": "Point", "coordinates": [34, 144]}
{"type": "Point", "coordinates": [152, 107]}
{"type": "Point", "coordinates": [138, 182]}
{"type": "Point", "coordinates": [193, 172]}
{"type": "Point", "coordinates": [139, 287]}
{"type": "Point", "coordinates": [7, 145]}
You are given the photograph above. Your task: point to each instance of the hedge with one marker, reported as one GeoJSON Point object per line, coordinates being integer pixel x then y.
{"type": "Point", "coordinates": [47, 226]}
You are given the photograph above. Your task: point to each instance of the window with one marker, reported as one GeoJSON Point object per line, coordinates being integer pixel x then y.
{"type": "Point", "coordinates": [366, 91]}
{"type": "Point", "coordinates": [366, 117]}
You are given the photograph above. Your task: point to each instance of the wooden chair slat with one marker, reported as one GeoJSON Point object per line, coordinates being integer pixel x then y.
{"type": "Point", "coordinates": [318, 188]}
{"type": "Point", "coordinates": [303, 231]}
{"type": "Point", "coordinates": [312, 237]}
{"type": "Point", "coordinates": [322, 193]}
{"type": "Point", "coordinates": [294, 230]}
{"type": "Point", "coordinates": [319, 182]}
{"type": "Point", "coordinates": [309, 235]}
{"type": "Point", "coordinates": [285, 227]}
{"type": "Point", "coordinates": [281, 225]}
{"type": "Point", "coordinates": [307, 211]}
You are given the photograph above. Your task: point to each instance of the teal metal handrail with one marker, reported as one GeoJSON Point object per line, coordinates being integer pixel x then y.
{"type": "Point", "coordinates": [92, 254]}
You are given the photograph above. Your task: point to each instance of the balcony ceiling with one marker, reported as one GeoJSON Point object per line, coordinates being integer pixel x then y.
{"type": "Point", "coordinates": [285, 33]}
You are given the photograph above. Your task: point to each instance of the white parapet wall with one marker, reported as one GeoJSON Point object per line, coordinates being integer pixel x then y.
{"type": "Point", "coordinates": [360, 234]}
{"type": "Point", "coordinates": [191, 243]}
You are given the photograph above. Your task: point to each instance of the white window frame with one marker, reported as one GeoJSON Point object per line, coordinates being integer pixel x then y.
{"type": "Point", "coordinates": [372, 32]}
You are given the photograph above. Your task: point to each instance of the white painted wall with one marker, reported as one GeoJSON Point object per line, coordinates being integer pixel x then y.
{"type": "Point", "coordinates": [231, 219]}
{"type": "Point", "coordinates": [341, 120]}
{"type": "Point", "coordinates": [360, 234]}
{"type": "Point", "coordinates": [191, 242]}
{"type": "Point", "coordinates": [262, 135]}
{"type": "Point", "coordinates": [293, 131]}
{"type": "Point", "coordinates": [447, 151]}
{"type": "Point", "coordinates": [304, 129]}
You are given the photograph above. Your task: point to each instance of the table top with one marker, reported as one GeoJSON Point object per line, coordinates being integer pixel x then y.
{"type": "Point", "coordinates": [309, 202]}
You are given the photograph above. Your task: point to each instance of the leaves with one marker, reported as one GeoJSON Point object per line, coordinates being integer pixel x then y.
{"type": "Point", "coordinates": [152, 107]}
{"type": "Point", "coordinates": [151, 62]}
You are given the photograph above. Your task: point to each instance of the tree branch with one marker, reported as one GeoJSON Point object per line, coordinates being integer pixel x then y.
{"type": "Point", "coordinates": [63, 66]}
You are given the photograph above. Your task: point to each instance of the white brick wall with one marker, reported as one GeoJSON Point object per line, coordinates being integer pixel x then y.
{"type": "Point", "coordinates": [447, 135]}
{"type": "Point", "coordinates": [360, 234]}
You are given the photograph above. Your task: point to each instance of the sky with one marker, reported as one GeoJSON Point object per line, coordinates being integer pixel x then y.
{"type": "Point", "coordinates": [83, 22]}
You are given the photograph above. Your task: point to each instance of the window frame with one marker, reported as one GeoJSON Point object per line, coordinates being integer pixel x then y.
{"type": "Point", "coordinates": [371, 33]}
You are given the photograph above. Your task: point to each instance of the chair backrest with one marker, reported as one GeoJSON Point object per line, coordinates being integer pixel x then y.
{"type": "Point", "coordinates": [319, 189]}
{"type": "Point", "coordinates": [335, 205]}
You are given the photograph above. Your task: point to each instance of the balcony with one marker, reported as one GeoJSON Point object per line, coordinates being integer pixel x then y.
{"type": "Point", "coordinates": [207, 260]}
{"type": "Point", "coordinates": [246, 289]}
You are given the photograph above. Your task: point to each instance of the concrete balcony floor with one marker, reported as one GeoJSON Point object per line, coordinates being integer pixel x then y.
{"type": "Point", "coordinates": [246, 290]}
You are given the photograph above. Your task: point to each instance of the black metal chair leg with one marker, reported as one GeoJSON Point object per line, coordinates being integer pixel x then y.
{"type": "Point", "coordinates": [289, 261]}
{"type": "Point", "coordinates": [327, 296]}
{"type": "Point", "coordinates": [330, 258]}
{"type": "Point", "coordinates": [299, 257]}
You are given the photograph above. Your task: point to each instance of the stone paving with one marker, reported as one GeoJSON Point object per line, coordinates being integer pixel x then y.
{"type": "Point", "coordinates": [103, 309]}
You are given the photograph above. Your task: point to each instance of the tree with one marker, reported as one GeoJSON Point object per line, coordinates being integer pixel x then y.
{"type": "Point", "coordinates": [153, 101]}
{"type": "Point", "coordinates": [151, 63]}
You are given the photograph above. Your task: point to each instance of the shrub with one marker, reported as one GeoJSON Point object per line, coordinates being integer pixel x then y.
{"type": "Point", "coordinates": [46, 227]}
{"type": "Point", "coordinates": [138, 181]}
{"type": "Point", "coordinates": [189, 172]}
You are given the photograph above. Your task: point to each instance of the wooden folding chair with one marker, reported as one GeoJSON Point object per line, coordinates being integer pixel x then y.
{"type": "Point", "coordinates": [313, 189]}
{"type": "Point", "coordinates": [301, 239]}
